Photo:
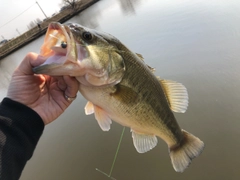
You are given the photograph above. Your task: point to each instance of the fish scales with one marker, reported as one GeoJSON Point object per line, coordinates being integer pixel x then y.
{"type": "Point", "coordinates": [161, 114]}
{"type": "Point", "coordinates": [119, 86]}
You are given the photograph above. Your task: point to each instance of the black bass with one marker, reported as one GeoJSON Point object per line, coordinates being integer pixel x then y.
{"type": "Point", "coordinates": [119, 86]}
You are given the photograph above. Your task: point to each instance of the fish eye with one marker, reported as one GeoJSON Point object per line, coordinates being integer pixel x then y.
{"type": "Point", "coordinates": [87, 36]}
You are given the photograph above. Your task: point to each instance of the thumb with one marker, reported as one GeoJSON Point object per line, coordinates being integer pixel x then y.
{"type": "Point", "coordinates": [31, 60]}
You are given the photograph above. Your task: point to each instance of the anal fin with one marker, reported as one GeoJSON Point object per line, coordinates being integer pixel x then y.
{"type": "Point", "coordinates": [143, 142]}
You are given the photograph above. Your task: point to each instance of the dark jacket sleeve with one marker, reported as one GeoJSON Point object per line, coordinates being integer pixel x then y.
{"type": "Point", "coordinates": [20, 130]}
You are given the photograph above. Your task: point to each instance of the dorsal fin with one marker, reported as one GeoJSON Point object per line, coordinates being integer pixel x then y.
{"type": "Point", "coordinates": [141, 57]}
{"type": "Point", "coordinates": [176, 94]}
{"type": "Point", "coordinates": [151, 68]}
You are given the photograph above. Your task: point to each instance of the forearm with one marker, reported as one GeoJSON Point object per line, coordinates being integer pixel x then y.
{"type": "Point", "coordinates": [20, 130]}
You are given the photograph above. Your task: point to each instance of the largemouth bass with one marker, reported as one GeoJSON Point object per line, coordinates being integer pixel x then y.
{"type": "Point", "coordinates": [119, 86]}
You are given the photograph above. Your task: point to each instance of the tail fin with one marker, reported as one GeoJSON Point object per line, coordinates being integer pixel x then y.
{"type": "Point", "coordinates": [182, 155]}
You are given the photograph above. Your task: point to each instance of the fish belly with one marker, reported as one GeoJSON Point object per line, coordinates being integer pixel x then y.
{"type": "Point", "coordinates": [139, 117]}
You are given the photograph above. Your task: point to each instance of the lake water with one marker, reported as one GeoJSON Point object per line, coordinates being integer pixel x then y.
{"type": "Point", "coordinates": [196, 43]}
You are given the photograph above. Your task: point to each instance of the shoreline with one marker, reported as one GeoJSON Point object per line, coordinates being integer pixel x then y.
{"type": "Point", "coordinates": [35, 32]}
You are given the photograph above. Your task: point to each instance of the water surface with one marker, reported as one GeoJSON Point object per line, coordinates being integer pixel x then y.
{"type": "Point", "coordinates": [192, 42]}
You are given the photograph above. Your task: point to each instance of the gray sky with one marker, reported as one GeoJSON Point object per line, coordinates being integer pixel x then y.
{"type": "Point", "coordinates": [10, 9]}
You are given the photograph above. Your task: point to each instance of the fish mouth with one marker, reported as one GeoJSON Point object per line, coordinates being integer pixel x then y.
{"type": "Point", "coordinates": [82, 53]}
{"type": "Point", "coordinates": [59, 48]}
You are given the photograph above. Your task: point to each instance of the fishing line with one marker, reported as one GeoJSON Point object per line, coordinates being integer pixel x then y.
{"type": "Point", "coordinates": [114, 160]}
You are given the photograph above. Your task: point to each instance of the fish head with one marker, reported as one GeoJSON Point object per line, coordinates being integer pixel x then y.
{"type": "Point", "coordinates": [89, 55]}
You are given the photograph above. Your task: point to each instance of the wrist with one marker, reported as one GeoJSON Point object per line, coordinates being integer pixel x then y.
{"type": "Point", "coordinates": [21, 113]}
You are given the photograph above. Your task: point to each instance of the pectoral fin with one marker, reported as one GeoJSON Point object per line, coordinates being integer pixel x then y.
{"type": "Point", "coordinates": [176, 94]}
{"type": "Point", "coordinates": [143, 142]}
{"type": "Point", "coordinates": [102, 118]}
{"type": "Point", "coordinates": [125, 95]}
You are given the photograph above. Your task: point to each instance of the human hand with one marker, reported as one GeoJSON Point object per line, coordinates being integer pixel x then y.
{"type": "Point", "coordinates": [44, 94]}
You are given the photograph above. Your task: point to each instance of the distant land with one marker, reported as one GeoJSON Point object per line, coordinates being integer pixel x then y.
{"type": "Point", "coordinates": [37, 31]}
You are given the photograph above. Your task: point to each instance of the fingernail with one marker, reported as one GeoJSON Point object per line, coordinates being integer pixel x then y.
{"type": "Point", "coordinates": [40, 60]}
{"type": "Point", "coordinates": [40, 57]}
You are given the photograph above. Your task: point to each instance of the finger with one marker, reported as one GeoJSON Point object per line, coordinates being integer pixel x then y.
{"type": "Point", "coordinates": [72, 86]}
{"type": "Point", "coordinates": [31, 60]}
{"type": "Point", "coordinates": [61, 83]}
